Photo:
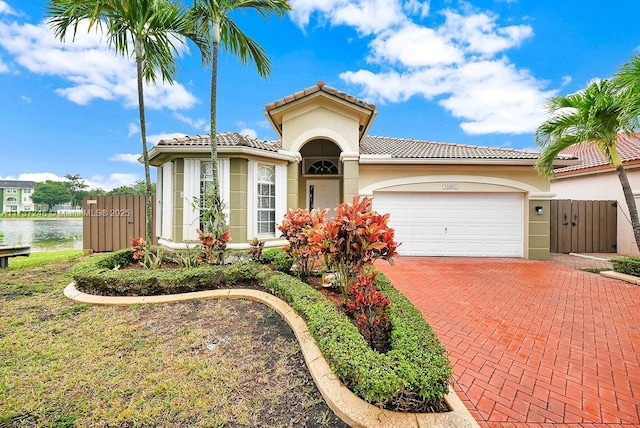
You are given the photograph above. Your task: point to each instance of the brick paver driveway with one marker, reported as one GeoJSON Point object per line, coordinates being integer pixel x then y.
{"type": "Point", "coordinates": [533, 344]}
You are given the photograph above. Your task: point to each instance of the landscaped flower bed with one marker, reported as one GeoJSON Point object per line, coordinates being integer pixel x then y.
{"type": "Point", "coordinates": [412, 376]}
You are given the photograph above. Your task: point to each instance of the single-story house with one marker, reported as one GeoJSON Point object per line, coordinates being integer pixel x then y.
{"type": "Point", "coordinates": [596, 179]}
{"type": "Point", "coordinates": [443, 199]}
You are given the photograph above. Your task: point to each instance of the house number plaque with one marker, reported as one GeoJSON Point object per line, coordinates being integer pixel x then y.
{"type": "Point", "coordinates": [450, 186]}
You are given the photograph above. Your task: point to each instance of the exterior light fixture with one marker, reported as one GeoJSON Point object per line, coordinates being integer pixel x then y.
{"type": "Point", "coordinates": [539, 210]}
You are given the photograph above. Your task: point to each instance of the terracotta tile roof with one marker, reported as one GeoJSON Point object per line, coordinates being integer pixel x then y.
{"type": "Point", "coordinates": [418, 149]}
{"type": "Point", "coordinates": [225, 139]}
{"type": "Point", "coordinates": [628, 148]}
{"type": "Point", "coordinates": [320, 87]}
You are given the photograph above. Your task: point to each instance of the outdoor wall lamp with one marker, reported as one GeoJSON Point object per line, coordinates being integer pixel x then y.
{"type": "Point", "coordinates": [539, 210]}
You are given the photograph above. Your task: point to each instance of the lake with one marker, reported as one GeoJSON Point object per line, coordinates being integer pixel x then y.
{"type": "Point", "coordinates": [42, 234]}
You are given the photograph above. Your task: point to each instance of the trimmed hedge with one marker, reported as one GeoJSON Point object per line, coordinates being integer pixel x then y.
{"type": "Point", "coordinates": [416, 366]}
{"type": "Point", "coordinates": [629, 265]}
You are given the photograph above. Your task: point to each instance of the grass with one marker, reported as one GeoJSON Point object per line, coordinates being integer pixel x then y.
{"type": "Point", "coordinates": [209, 363]}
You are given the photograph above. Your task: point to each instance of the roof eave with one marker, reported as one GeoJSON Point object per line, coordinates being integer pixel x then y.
{"type": "Point", "coordinates": [382, 160]}
{"type": "Point", "coordinates": [157, 152]}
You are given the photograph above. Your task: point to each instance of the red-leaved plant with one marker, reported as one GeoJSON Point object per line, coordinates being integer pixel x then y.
{"type": "Point", "coordinates": [213, 245]}
{"type": "Point", "coordinates": [368, 307]}
{"type": "Point", "coordinates": [296, 227]}
{"type": "Point", "coordinates": [354, 238]}
{"type": "Point", "coordinates": [139, 247]}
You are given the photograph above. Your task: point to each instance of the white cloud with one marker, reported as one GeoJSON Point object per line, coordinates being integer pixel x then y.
{"type": "Point", "coordinates": [35, 176]}
{"type": "Point", "coordinates": [91, 67]}
{"type": "Point", "coordinates": [460, 61]}
{"type": "Point", "coordinates": [199, 124]}
{"type": "Point", "coordinates": [126, 157]}
{"type": "Point", "coordinates": [6, 9]}
{"type": "Point", "coordinates": [133, 129]}
{"type": "Point", "coordinates": [114, 180]}
{"type": "Point", "coordinates": [26, 99]}
{"type": "Point", "coordinates": [4, 68]}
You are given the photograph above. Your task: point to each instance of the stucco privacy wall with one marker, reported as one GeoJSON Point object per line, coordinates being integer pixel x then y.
{"type": "Point", "coordinates": [604, 186]}
{"type": "Point", "coordinates": [474, 179]}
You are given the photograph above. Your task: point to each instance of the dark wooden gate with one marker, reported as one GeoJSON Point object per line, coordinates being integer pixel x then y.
{"type": "Point", "coordinates": [583, 226]}
{"type": "Point", "coordinates": [111, 222]}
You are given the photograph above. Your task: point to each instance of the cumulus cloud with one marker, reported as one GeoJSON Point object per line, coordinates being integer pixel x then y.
{"type": "Point", "coordinates": [35, 176]}
{"type": "Point", "coordinates": [4, 68]}
{"type": "Point", "coordinates": [133, 129]}
{"type": "Point", "coordinates": [92, 69]}
{"type": "Point", "coordinates": [112, 181]}
{"type": "Point", "coordinates": [458, 59]}
{"type": "Point", "coordinates": [199, 124]}
{"type": "Point", "coordinates": [6, 9]}
{"type": "Point", "coordinates": [126, 157]}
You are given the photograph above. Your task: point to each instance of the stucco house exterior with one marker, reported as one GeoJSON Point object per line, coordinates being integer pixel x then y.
{"type": "Point", "coordinates": [443, 199]}
{"type": "Point", "coordinates": [595, 179]}
{"type": "Point", "coordinates": [15, 196]}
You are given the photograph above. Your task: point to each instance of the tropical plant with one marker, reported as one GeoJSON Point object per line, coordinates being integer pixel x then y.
{"type": "Point", "coordinates": [213, 246]}
{"type": "Point", "coordinates": [150, 31]}
{"type": "Point", "coordinates": [354, 239]}
{"type": "Point", "coordinates": [75, 184]}
{"type": "Point", "coordinates": [592, 116]}
{"type": "Point", "coordinates": [214, 23]}
{"type": "Point", "coordinates": [296, 228]}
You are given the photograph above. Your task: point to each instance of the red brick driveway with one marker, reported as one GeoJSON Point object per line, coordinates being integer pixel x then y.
{"type": "Point", "coordinates": [532, 343]}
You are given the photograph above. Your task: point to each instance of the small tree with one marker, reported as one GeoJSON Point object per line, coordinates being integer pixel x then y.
{"type": "Point", "coordinates": [51, 193]}
{"type": "Point", "coordinates": [354, 239]}
{"type": "Point", "coordinates": [76, 185]}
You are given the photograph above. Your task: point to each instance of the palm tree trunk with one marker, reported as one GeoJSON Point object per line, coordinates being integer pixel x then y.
{"type": "Point", "coordinates": [631, 203]}
{"type": "Point", "coordinates": [214, 132]}
{"type": "Point", "coordinates": [145, 154]}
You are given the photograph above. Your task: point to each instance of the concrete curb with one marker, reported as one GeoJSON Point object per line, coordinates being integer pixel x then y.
{"type": "Point", "coordinates": [621, 276]}
{"type": "Point", "coordinates": [345, 404]}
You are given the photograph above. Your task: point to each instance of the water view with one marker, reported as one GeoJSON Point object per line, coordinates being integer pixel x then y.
{"type": "Point", "coordinates": [42, 234]}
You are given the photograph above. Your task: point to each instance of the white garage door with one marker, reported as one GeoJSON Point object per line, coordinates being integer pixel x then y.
{"type": "Point", "coordinates": [455, 224]}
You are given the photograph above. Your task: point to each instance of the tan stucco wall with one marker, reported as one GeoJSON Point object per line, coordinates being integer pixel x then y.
{"type": "Point", "coordinates": [325, 120]}
{"type": "Point", "coordinates": [238, 203]}
{"type": "Point", "coordinates": [604, 186]}
{"type": "Point", "coordinates": [178, 202]}
{"type": "Point", "coordinates": [538, 240]}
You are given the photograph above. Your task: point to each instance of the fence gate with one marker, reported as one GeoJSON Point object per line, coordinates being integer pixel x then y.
{"type": "Point", "coordinates": [111, 222]}
{"type": "Point", "coordinates": [583, 226]}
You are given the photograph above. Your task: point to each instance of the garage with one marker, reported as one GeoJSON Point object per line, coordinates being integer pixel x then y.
{"type": "Point", "coordinates": [455, 224]}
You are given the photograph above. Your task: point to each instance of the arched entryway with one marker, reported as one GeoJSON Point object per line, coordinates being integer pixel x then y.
{"type": "Point", "coordinates": [321, 175]}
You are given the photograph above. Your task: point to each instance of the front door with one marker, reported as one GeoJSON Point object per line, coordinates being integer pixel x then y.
{"type": "Point", "coordinates": [323, 194]}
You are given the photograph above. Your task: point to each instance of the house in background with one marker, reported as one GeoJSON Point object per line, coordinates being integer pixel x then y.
{"type": "Point", "coordinates": [443, 199]}
{"type": "Point", "coordinates": [595, 179]}
{"type": "Point", "coordinates": [15, 196]}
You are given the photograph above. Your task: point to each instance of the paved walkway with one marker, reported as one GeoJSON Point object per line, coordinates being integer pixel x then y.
{"type": "Point", "coordinates": [532, 343]}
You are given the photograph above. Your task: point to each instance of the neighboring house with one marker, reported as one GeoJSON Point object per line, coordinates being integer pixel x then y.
{"type": "Point", "coordinates": [15, 196]}
{"type": "Point", "coordinates": [596, 179]}
{"type": "Point", "coordinates": [443, 199]}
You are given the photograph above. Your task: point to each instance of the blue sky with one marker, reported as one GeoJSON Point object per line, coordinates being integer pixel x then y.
{"type": "Point", "coordinates": [475, 72]}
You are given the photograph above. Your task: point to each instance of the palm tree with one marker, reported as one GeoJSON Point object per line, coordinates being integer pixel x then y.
{"type": "Point", "coordinates": [627, 81]}
{"type": "Point", "coordinates": [592, 116]}
{"type": "Point", "coordinates": [214, 22]}
{"type": "Point", "coordinates": [148, 30]}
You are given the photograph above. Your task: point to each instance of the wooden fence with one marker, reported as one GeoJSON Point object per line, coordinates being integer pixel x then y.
{"type": "Point", "coordinates": [583, 226]}
{"type": "Point", "coordinates": [111, 222]}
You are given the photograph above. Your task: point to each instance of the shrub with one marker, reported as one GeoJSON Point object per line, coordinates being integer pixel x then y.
{"type": "Point", "coordinates": [255, 249]}
{"type": "Point", "coordinates": [368, 307]}
{"type": "Point", "coordinates": [213, 245]}
{"type": "Point", "coordinates": [281, 260]}
{"type": "Point", "coordinates": [295, 228]}
{"type": "Point", "coordinates": [415, 367]}
{"type": "Point", "coordinates": [628, 265]}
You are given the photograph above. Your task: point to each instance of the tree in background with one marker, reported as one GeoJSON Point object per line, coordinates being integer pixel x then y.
{"type": "Point", "coordinates": [592, 116]}
{"type": "Point", "coordinates": [138, 188]}
{"type": "Point", "coordinates": [51, 193]}
{"type": "Point", "coordinates": [214, 23]}
{"type": "Point", "coordinates": [76, 185]}
{"type": "Point", "coordinates": [150, 31]}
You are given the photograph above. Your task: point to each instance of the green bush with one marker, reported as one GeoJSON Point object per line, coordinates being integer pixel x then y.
{"type": "Point", "coordinates": [629, 265]}
{"type": "Point", "coordinates": [416, 366]}
{"type": "Point", "coordinates": [280, 259]}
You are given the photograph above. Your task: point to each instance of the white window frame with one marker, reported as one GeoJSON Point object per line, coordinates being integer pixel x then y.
{"type": "Point", "coordinates": [252, 197]}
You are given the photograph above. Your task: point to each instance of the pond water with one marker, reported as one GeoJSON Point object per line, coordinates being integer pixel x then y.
{"type": "Point", "coordinates": [42, 234]}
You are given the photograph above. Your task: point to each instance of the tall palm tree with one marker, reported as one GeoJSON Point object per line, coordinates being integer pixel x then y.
{"type": "Point", "coordinates": [148, 30]}
{"type": "Point", "coordinates": [592, 116]}
{"type": "Point", "coordinates": [627, 81]}
{"type": "Point", "coordinates": [214, 21]}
